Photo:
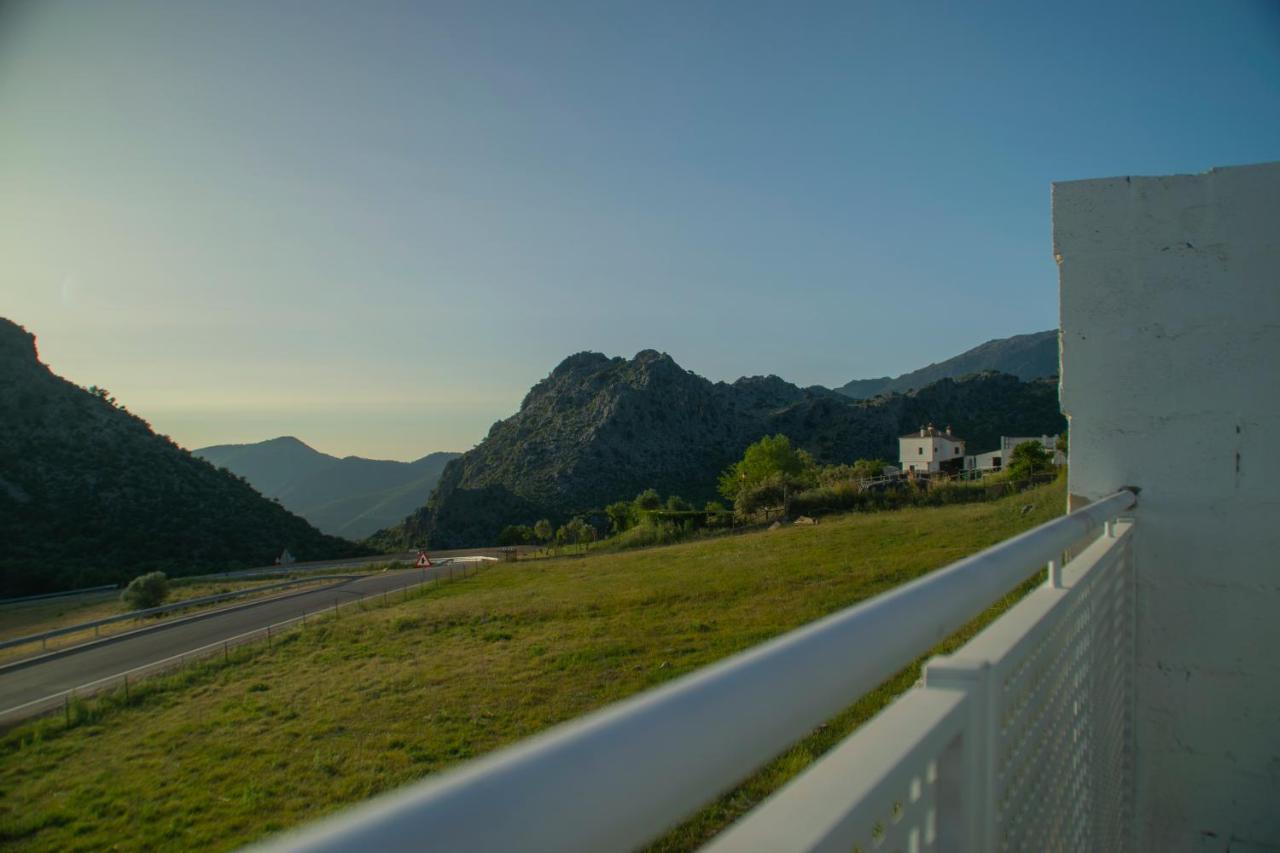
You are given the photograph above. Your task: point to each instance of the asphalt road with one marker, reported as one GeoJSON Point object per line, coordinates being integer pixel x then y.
{"type": "Point", "coordinates": [39, 680]}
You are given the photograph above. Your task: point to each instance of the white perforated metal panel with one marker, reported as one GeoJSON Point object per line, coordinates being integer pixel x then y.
{"type": "Point", "coordinates": [1063, 699]}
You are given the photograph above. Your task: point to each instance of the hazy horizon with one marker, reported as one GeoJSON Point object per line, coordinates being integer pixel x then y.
{"type": "Point", "coordinates": [374, 227]}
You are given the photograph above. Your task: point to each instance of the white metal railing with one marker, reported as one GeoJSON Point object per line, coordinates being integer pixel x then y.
{"type": "Point", "coordinates": [1021, 740]}
{"type": "Point", "coordinates": [616, 778]}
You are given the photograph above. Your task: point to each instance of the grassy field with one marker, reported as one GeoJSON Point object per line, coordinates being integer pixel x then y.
{"type": "Point", "coordinates": [224, 753]}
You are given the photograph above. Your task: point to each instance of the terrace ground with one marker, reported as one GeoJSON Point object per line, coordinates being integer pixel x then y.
{"type": "Point", "coordinates": [221, 754]}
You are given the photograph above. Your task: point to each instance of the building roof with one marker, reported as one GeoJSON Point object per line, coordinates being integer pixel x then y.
{"type": "Point", "coordinates": [933, 432]}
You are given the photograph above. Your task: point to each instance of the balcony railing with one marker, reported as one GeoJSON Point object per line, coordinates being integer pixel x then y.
{"type": "Point", "coordinates": [1020, 740]}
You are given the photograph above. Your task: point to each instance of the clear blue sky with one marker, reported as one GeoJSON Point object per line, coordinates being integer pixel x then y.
{"type": "Point", "coordinates": [374, 225]}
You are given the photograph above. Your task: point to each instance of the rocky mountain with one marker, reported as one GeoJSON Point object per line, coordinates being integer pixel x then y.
{"type": "Point", "coordinates": [602, 429]}
{"type": "Point", "coordinates": [89, 494]}
{"type": "Point", "coordinates": [1024, 356]}
{"type": "Point", "coordinates": [350, 496]}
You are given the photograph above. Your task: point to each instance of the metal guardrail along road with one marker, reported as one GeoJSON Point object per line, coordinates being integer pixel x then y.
{"type": "Point", "coordinates": [44, 636]}
{"type": "Point", "coordinates": [121, 680]}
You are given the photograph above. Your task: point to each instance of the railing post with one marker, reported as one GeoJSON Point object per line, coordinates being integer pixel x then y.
{"type": "Point", "coordinates": [970, 766]}
{"type": "Point", "coordinates": [1054, 581]}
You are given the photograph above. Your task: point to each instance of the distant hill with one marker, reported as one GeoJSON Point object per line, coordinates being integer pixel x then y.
{"type": "Point", "coordinates": [1024, 356]}
{"type": "Point", "coordinates": [350, 497]}
{"type": "Point", "coordinates": [602, 429]}
{"type": "Point", "coordinates": [90, 495]}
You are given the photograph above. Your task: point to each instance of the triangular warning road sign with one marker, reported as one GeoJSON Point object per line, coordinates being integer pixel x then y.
{"type": "Point", "coordinates": [424, 562]}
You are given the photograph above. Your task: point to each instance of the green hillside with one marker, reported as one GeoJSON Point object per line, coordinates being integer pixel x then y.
{"type": "Point", "coordinates": [221, 755]}
{"type": "Point", "coordinates": [89, 494]}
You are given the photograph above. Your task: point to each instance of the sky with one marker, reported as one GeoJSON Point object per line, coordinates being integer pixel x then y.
{"type": "Point", "coordinates": [374, 225]}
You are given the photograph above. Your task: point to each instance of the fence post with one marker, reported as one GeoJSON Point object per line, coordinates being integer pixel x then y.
{"type": "Point", "coordinates": [1054, 581]}
{"type": "Point", "coordinates": [976, 779]}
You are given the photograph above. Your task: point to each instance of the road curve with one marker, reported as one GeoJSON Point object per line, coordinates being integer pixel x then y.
{"type": "Point", "coordinates": [22, 685]}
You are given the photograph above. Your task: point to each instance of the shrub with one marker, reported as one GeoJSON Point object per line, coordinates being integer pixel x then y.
{"type": "Point", "coordinates": [649, 532]}
{"type": "Point", "coordinates": [648, 499]}
{"type": "Point", "coordinates": [149, 590]}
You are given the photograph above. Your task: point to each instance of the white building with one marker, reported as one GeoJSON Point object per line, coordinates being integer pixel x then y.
{"type": "Point", "coordinates": [989, 461]}
{"type": "Point", "coordinates": [993, 460]}
{"type": "Point", "coordinates": [1048, 442]}
{"type": "Point", "coordinates": [931, 450]}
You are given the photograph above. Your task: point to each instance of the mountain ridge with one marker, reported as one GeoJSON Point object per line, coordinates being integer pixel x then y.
{"type": "Point", "coordinates": [348, 496]}
{"type": "Point", "coordinates": [599, 429]}
{"type": "Point", "coordinates": [1029, 356]}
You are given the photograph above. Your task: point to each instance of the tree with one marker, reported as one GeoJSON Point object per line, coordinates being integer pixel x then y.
{"type": "Point", "coordinates": [515, 534]}
{"type": "Point", "coordinates": [575, 532]}
{"type": "Point", "coordinates": [144, 591]}
{"type": "Point", "coordinates": [542, 530]}
{"type": "Point", "coordinates": [675, 503]}
{"type": "Point", "coordinates": [863, 469]}
{"type": "Point", "coordinates": [649, 499]}
{"type": "Point", "coordinates": [622, 516]}
{"type": "Point", "coordinates": [869, 469]}
{"type": "Point", "coordinates": [1028, 459]}
{"type": "Point", "coordinates": [772, 491]}
{"type": "Point", "coordinates": [770, 457]}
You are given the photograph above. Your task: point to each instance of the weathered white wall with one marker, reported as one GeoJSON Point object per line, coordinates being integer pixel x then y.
{"type": "Point", "coordinates": [1170, 299]}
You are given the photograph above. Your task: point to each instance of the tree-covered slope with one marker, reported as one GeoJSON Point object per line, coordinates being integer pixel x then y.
{"type": "Point", "coordinates": [601, 429]}
{"type": "Point", "coordinates": [350, 496]}
{"type": "Point", "coordinates": [89, 494]}
{"type": "Point", "coordinates": [1024, 356]}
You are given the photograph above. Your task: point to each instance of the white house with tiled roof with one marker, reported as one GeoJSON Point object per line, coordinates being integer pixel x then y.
{"type": "Point", "coordinates": [931, 450]}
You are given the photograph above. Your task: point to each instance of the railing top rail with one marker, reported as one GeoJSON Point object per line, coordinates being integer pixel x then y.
{"type": "Point", "coordinates": [616, 777]}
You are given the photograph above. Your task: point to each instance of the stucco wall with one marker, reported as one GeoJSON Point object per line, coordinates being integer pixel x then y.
{"type": "Point", "coordinates": [1170, 303]}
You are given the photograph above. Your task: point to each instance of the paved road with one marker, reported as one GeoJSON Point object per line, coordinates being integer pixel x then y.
{"type": "Point", "coordinates": [25, 684]}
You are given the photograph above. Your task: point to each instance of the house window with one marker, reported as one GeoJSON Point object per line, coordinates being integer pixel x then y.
{"type": "Point", "coordinates": [921, 450]}
{"type": "Point", "coordinates": [957, 451]}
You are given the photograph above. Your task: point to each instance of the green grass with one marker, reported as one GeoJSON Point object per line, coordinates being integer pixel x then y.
{"type": "Point", "coordinates": [218, 754]}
